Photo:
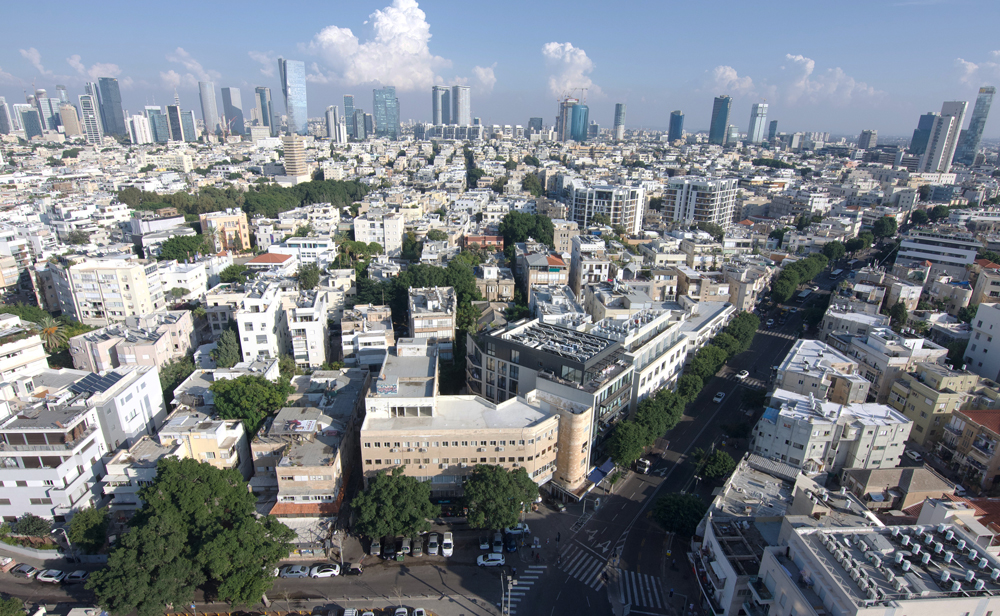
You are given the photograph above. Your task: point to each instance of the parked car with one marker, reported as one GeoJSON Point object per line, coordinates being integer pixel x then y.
{"type": "Point", "coordinates": [294, 571]}
{"type": "Point", "coordinates": [718, 397]}
{"type": "Point", "coordinates": [401, 611]}
{"type": "Point", "coordinates": [511, 543]}
{"type": "Point", "coordinates": [403, 547]}
{"type": "Point", "coordinates": [24, 571]}
{"type": "Point", "coordinates": [491, 560]}
{"type": "Point", "coordinates": [432, 544]}
{"type": "Point", "coordinates": [447, 545]}
{"type": "Point", "coordinates": [484, 542]}
{"type": "Point", "coordinates": [770, 323]}
{"type": "Point", "coordinates": [376, 548]}
{"type": "Point", "coordinates": [916, 457]}
{"type": "Point", "coordinates": [497, 542]}
{"type": "Point", "coordinates": [418, 546]}
{"type": "Point", "coordinates": [520, 528]}
{"type": "Point", "coordinates": [326, 570]}
{"type": "Point", "coordinates": [50, 576]}
{"type": "Point", "coordinates": [353, 569]}
{"type": "Point", "coordinates": [742, 374]}
{"type": "Point", "coordinates": [419, 612]}
{"type": "Point", "coordinates": [76, 577]}
{"type": "Point", "coordinates": [389, 548]}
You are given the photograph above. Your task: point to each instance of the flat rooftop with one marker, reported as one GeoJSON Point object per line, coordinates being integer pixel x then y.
{"type": "Point", "coordinates": [803, 408]}
{"type": "Point", "coordinates": [809, 355]}
{"type": "Point", "coordinates": [560, 341]}
{"type": "Point", "coordinates": [460, 413]}
{"type": "Point", "coordinates": [407, 372]}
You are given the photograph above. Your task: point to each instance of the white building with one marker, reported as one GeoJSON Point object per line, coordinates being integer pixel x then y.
{"type": "Point", "coordinates": [623, 205]}
{"type": "Point", "coordinates": [985, 326]}
{"type": "Point", "coordinates": [21, 348]}
{"type": "Point", "coordinates": [588, 262]}
{"type": "Point", "coordinates": [692, 200]}
{"type": "Point", "coordinates": [382, 227]}
{"type": "Point", "coordinates": [949, 251]}
{"type": "Point", "coordinates": [308, 328]}
{"type": "Point", "coordinates": [944, 137]}
{"type": "Point", "coordinates": [311, 249]}
{"type": "Point", "coordinates": [260, 320]}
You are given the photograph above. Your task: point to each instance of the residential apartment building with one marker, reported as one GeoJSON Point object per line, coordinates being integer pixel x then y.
{"type": "Point", "coordinates": [383, 227]}
{"type": "Point", "coordinates": [987, 289]}
{"type": "Point", "coordinates": [99, 292]}
{"type": "Point", "coordinates": [366, 335]}
{"type": "Point", "coordinates": [885, 489]}
{"type": "Point", "coordinates": [970, 440]}
{"type": "Point", "coordinates": [495, 284]}
{"type": "Point", "coordinates": [563, 233]}
{"type": "Point", "coordinates": [842, 321]}
{"type": "Point", "coordinates": [588, 262]}
{"type": "Point", "coordinates": [883, 354]}
{"type": "Point", "coordinates": [308, 326]}
{"type": "Point", "coordinates": [261, 322]}
{"type": "Point", "coordinates": [622, 205]}
{"type": "Point", "coordinates": [228, 229]}
{"type": "Point", "coordinates": [21, 347]}
{"type": "Point", "coordinates": [432, 312]}
{"type": "Point", "coordinates": [221, 303]}
{"type": "Point", "coordinates": [149, 340]}
{"type": "Point", "coordinates": [949, 250]}
{"type": "Point", "coordinates": [557, 305]}
{"type": "Point", "coordinates": [692, 200]}
{"type": "Point", "coordinates": [985, 326]}
{"type": "Point", "coordinates": [928, 395]}
{"type": "Point", "coordinates": [814, 435]}
{"type": "Point", "coordinates": [813, 367]}
{"type": "Point", "coordinates": [542, 268]}
{"type": "Point", "coordinates": [312, 248]}
{"type": "Point", "coordinates": [749, 279]}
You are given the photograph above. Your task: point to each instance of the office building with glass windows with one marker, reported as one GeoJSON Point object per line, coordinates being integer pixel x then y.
{"type": "Point", "coordinates": [112, 114]}
{"type": "Point", "coordinates": [758, 120]}
{"type": "Point", "coordinates": [461, 106]}
{"type": "Point", "coordinates": [719, 127]}
{"type": "Point", "coordinates": [209, 107]}
{"type": "Point", "coordinates": [232, 107]}
{"type": "Point", "coordinates": [968, 140]}
{"type": "Point", "coordinates": [386, 112]}
{"type": "Point", "coordinates": [676, 126]}
{"type": "Point", "coordinates": [292, 74]}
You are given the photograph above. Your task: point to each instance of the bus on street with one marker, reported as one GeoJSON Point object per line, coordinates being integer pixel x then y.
{"type": "Point", "coordinates": [802, 296]}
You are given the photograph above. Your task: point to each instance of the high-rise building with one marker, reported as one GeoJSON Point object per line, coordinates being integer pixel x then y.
{"type": "Point", "coordinates": [46, 110]}
{"type": "Point", "coordinates": [772, 131]}
{"type": "Point", "coordinates": [349, 115]}
{"type": "Point", "coordinates": [209, 107]}
{"type": "Point", "coordinates": [732, 134]}
{"type": "Point", "coordinates": [758, 120]}
{"type": "Point", "coordinates": [32, 123]}
{"type": "Point", "coordinates": [619, 121]}
{"type": "Point", "coordinates": [369, 125]}
{"type": "Point", "coordinates": [62, 94]}
{"type": "Point", "coordinates": [564, 119]}
{"type": "Point", "coordinates": [593, 130]}
{"type": "Point", "coordinates": [692, 200]}
{"type": "Point", "coordinates": [15, 115]}
{"type": "Point", "coordinates": [535, 125]}
{"type": "Point", "coordinates": [461, 106]}
{"type": "Point", "coordinates": [437, 100]}
{"type": "Point", "coordinates": [868, 139]}
{"type": "Point", "coordinates": [581, 117]}
{"type": "Point", "coordinates": [968, 140]}
{"type": "Point", "coordinates": [265, 109]}
{"type": "Point", "coordinates": [70, 120]}
{"type": "Point", "coordinates": [293, 86]}
{"type": "Point", "coordinates": [232, 107]}
{"type": "Point", "coordinates": [446, 107]}
{"type": "Point", "coordinates": [717, 130]}
{"type": "Point", "coordinates": [944, 138]}
{"type": "Point", "coordinates": [622, 205]}
{"type": "Point", "coordinates": [112, 114]}
{"type": "Point", "coordinates": [91, 117]}
{"type": "Point", "coordinates": [358, 130]}
{"type": "Point", "coordinates": [386, 112]}
{"type": "Point", "coordinates": [174, 123]}
{"type": "Point", "coordinates": [335, 128]}
{"type": "Point", "coordinates": [157, 124]}
{"type": "Point", "coordinates": [294, 156]}
{"type": "Point", "coordinates": [189, 126]}
{"type": "Point", "coordinates": [138, 130]}
{"type": "Point", "coordinates": [676, 126]}
{"type": "Point", "coordinates": [922, 133]}
{"type": "Point", "coordinates": [6, 126]}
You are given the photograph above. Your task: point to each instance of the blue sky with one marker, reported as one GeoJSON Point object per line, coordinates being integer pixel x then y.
{"type": "Point", "coordinates": [836, 66]}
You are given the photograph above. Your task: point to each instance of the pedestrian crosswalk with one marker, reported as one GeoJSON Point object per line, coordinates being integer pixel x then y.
{"type": "Point", "coordinates": [583, 566]}
{"type": "Point", "coordinates": [639, 589]}
{"type": "Point", "coordinates": [525, 581]}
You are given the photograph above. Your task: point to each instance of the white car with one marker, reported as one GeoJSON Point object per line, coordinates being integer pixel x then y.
{"type": "Point", "coordinates": [742, 374]}
{"type": "Point", "coordinates": [294, 571]}
{"type": "Point", "coordinates": [400, 611]}
{"type": "Point", "coordinates": [52, 576]}
{"type": "Point", "coordinates": [916, 457]}
{"type": "Point", "coordinates": [491, 560]}
{"type": "Point", "coordinates": [432, 544]}
{"type": "Point", "coordinates": [419, 612]}
{"type": "Point", "coordinates": [325, 571]}
{"type": "Point", "coordinates": [718, 397]}
{"type": "Point", "coordinates": [518, 529]}
{"type": "Point", "coordinates": [447, 545]}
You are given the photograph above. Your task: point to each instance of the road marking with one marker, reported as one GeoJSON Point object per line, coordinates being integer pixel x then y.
{"type": "Point", "coordinates": [616, 515]}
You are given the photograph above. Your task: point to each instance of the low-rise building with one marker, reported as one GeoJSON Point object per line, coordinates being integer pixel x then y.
{"type": "Point", "coordinates": [970, 439]}
{"type": "Point", "coordinates": [814, 367]}
{"type": "Point", "coordinates": [274, 263]}
{"type": "Point", "coordinates": [839, 321]}
{"type": "Point", "coordinates": [308, 327]}
{"type": "Point", "coordinates": [928, 395]}
{"type": "Point", "coordinates": [883, 354]}
{"type": "Point", "coordinates": [148, 340]}
{"type": "Point", "coordinates": [885, 489]}
{"type": "Point", "coordinates": [260, 322]}
{"type": "Point", "coordinates": [495, 284]}
{"type": "Point", "coordinates": [21, 347]}
{"type": "Point", "coordinates": [228, 229]}
{"type": "Point", "coordinates": [557, 305]}
{"type": "Point", "coordinates": [432, 313]}
{"type": "Point", "coordinates": [366, 335]}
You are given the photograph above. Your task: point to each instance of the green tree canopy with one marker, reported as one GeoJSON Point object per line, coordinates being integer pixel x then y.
{"type": "Point", "coordinates": [88, 530]}
{"type": "Point", "coordinates": [77, 237]}
{"type": "Point", "coordinates": [197, 528]}
{"type": "Point", "coordinates": [495, 495]}
{"type": "Point", "coordinates": [173, 374]}
{"type": "Point", "coordinates": [834, 250]}
{"type": "Point", "coordinates": [898, 314]}
{"type": "Point", "coordinates": [884, 227]}
{"type": "Point", "coordinates": [719, 464]}
{"type": "Point", "coordinates": [184, 247]}
{"type": "Point", "coordinates": [689, 386]}
{"type": "Point", "coordinates": [717, 232]}
{"type": "Point", "coordinates": [600, 219]}
{"type": "Point", "coordinates": [919, 217]}
{"type": "Point", "coordinates": [308, 276]}
{"type": "Point", "coordinates": [31, 525]}
{"type": "Point", "coordinates": [12, 606]}
{"type": "Point", "coordinates": [228, 352]}
{"type": "Point", "coordinates": [249, 398]}
{"type": "Point", "coordinates": [967, 313]}
{"type": "Point", "coordinates": [627, 443]}
{"type": "Point", "coordinates": [679, 513]}
{"type": "Point", "coordinates": [394, 504]}
{"type": "Point", "coordinates": [518, 227]}
{"type": "Point", "coordinates": [437, 235]}
{"type": "Point", "coordinates": [939, 212]}
{"type": "Point", "coordinates": [707, 362]}
{"type": "Point", "coordinates": [235, 273]}
{"type": "Point", "coordinates": [532, 185]}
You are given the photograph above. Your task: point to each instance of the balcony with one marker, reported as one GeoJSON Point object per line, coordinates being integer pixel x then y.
{"type": "Point", "coordinates": [759, 591]}
{"type": "Point", "coordinates": [754, 609]}
{"type": "Point", "coordinates": [952, 430]}
{"type": "Point", "coordinates": [50, 446]}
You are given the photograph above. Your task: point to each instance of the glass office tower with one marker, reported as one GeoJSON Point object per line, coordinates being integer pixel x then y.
{"type": "Point", "coordinates": [292, 74]}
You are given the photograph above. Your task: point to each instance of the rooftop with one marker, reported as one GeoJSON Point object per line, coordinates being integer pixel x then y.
{"type": "Point", "coordinates": [560, 341]}
{"type": "Point", "coordinates": [808, 409]}
{"type": "Point", "coordinates": [409, 371]}
{"type": "Point", "coordinates": [465, 413]}
{"type": "Point", "coordinates": [809, 355]}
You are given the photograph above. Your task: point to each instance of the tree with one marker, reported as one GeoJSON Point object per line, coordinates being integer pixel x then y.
{"type": "Point", "coordinates": [172, 374]}
{"type": "Point", "coordinates": [228, 352]}
{"type": "Point", "coordinates": [834, 250]}
{"type": "Point", "coordinates": [12, 606]}
{"type": "Point", "coordinates": [197, 528]}
{"type": "Point", "coordinates": [249, 398]}
{"type": "Point", "coordinates": [287, 367]}
{"type": "Point", "coordinates": [495, 495]}
{"type": "Point", "coordinates": [919, 217]}
{"type": "Point", "coordinates": [600, 219]}
{"type": "Point", "coordinates": [989, 255]}
{"type": "Point", "coordinates": [627, 443]}
{"type": "Point", "coordinates": [939, 212]}
{"type": "Point", "coordinates": [31, 525]}
{"type": "Point", "coordinates": [77, 237]}
{"type": "Point", "coordinates": [728, 343]}
{"type": "Point", "coordinates": [52, 332]}
{"type": "Point", "coordinates": [88, 529]}
{"type": "Point", "coordinates": [532, 185]}
{"type": "Point", "coordinates": [178, 292]}
{"type": "Point", "coordinates": [679, 513]}
{"type": "Point", "coordinates": [689, 386]}
{"type": "Point", "coordinates": [719, 464]}
{"type": "Point", "coordinates": [854, 244]}
{"type": "Point", "coordinates": [707, 362]}
{"type": "Point", "coordinates": [898, 314]}
{"type": "Point", "coordinates": [437, 235]}
{"type": "Point", "coordinates": [308, 276]}
{"type": "Point", "coordinates": [181, 248]}
{"type": "Point", "coordinates": [235, 273]}
{"type": "Point", "coordinates": [394, 504]}
{"type": "Point", "coordinates": [967, 313]}
{"type": "Point", "coordinates": [716, 231]}
{"type": "Point", "coordinates": [884, 227]}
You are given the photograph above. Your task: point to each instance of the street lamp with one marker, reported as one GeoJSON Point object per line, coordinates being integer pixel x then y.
{"type": "Point", "coordinates": [69, 544]}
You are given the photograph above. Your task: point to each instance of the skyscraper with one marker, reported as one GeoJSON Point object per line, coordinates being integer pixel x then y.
{"type": "Point", "coordinates": [358, 125]}
{"type": "Point", "coordinates": [62, 94]}
{"type": "Point", "coordinates": [335, 128]}
{"type": "Point", "coordinates": [349, 114]}
{"type": "Point", "coordinates": [189, 126]}
{"type": "Point", "coordinates": [15, 115]}
{"type": "Point", "coordinates": [138, 130]}
{"type": "Point", "coordinates": [580, 121]}
{"type": "Point", "coordinates": [944, 138]}
{"type": "Point", "coordinates": [292, 74]}
{"type": "Point", "coordinates": [720, 120]}
{"type": "Point", "coordinates": [446, 107]}
{"type": "Point", "coordinates": [70, 120]}
{"type": "Point", "coordinates": [461, 106]}
{"type": "Point", "coordinates": [676, 126]}
{"type": "Point", "coordinates": [5, 124]}
{"type": "Point", "coordinates": [264, 108]}
{"type": "Point", "coordinates": [174, 123]}
{"type": "Point", "coordinates": [968, 140]}
{"type": "Point", "coordinates": [157, 124]}
{"type": "Point", "coordinates": [922, 133]}
{"type": "Point", "coordinates": [232, 106]}
{"type": "Point", "coordinates": [294, 156]}
{"type": "Point", "coordinates": [758, 120]}
{"type": "Point", "coordinates": [535, 125]}
{"type": "Point", "coordinates": [437, 100]}
{"type": "Point", "coordinates": [386, 112]}
{"type": "Point", "coordinates": [90, 114]}
{"type": "Point", "coordinates": [209, 107]}
{"type": "Point", "coordinates": [564, 120]}
{"type": "Point", "coordinates": [32, 123]}
{"type": "Point", "coordinates": [619, 126]}
{"type": "Point", "coordinates": [46, 111]}
{"type": "Point", "coordinates": [772, 131]}
{"type": "Point", "coordinates": [112, 114]}
{"type": "Point", "coordinates": [868, 139]}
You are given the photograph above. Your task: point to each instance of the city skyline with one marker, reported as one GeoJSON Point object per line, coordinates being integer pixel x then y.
{"type": "Point", "coordinates": [816, 81]}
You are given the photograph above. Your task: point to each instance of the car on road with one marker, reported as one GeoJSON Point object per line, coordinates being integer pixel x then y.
{"type": "Point", "coordinates": [294, 571]}
{"type": "Point", "coordinates": [742, 374]}
{"type": "Point", "coordinates": [770, 323]}
{"type": "Point", "coordinates": [916, 457]}
{"type": "Point", "coordinates": [24, 570]}
{"type": "Point", "coordinates": [50, 576]}
{"type": "Point", "coordinates": [491, 560]}
{"type": "Point", "coordinates": [814, 287]}
{"type": "Point", "coordinates": [497, 542]}
{"type": "Point", "coordinates": [484, 543]}
{"type": "Point", "coordinates": [432, 544]}
{"type": "Point", "coordinates": [718, 397]}
{"type": "Point", "coordinates": [326, 570]}
{"type": "Point", "coordinates": [511, 543]}
{"type": "Point", "coordinates": [642, 465]}
{"type": "Point", "coordinates": [447, 545]}
{"type": "Point", "coordinates": [518, 529]}
{"type": "Point", "coordinates": [76, 577]}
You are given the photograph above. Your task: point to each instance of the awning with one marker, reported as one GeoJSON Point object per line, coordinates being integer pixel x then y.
{"type": "Point", "coordinates": [598, 474]}
{"type": "Point", "coordinates": [876, 497]}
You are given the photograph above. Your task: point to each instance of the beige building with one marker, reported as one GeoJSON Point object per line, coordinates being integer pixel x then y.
{"type": "Point", "coordinates": [987, 289]}
{"type": "Point", "coordinates": [102, 291]}
{"type": "Point", "coordinates": [221, 303]}
{"type": "Point", "coordinates": [21, 348]}
{"type": "Point", "coordinates": [432, 317]}
{"type": "Point", "coordinates": [563, 233]}
{"type": "Point", "coordinates": [971, 439]}
{"type": "Point", "coordinates": [495, 284]}
{"type": "Point", "coordinates": [228, 229]}
{"type": "Point", "coordinates": [366, 335]}
{"type": "Point", "coordinates": [149, 340]}
{"type": "Point", "coordinates": [813, 367]}
{"type": "Point", "coordinates": [928, 395]}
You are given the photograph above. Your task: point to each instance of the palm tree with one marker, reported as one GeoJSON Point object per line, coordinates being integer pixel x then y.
{"type": "Point", "coordinates": [53, 332]}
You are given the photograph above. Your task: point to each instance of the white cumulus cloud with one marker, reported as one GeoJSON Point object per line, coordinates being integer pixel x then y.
{"type": "Point", "coordinates": [100, 69]}
{"type": "Point", "coordinates": [832, 85]}
{"type": "Point", "coordinates": [268, 61]}
{"type": "Point", "coordinates": [726, 80]}
{"type": "Point", "coordinates": [195, 71]}
{"type": "Point", "coordinates": [396, 54]}
{"type": "Point", "coordinates": [7, 77]}
{"type": "Point", "coordinates": [571, 68]}
{"type": "Point", "coordinates": [970, 73]}
{"type": "Point", "coordinates": [32, 55]}
{"type": "Point", "coordinates": [487, 78]}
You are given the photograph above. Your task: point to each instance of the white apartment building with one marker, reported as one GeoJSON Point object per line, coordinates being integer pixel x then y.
{"type": "Point", "coordinates": [693, 200]}
{"type": "Point", "coordinates": [382, 227]}
{"type": "Point", "coordinates": [100, 291]}
{"type": "Point", "coordinates": [815, 435]}
{"type": "Point", "coordinates": [588, 262]}
{"type": "Point", "coordinates": [433, 313]}
{"type": "Point", "coordinates": [190, 276]}
{"type": "Point", "coordinates": [842, 321]}
{"type": "Point", "coordinates": [985, 327]}
{"type": "Point", "coordinates": [311, 249]}
{"type": "Point", "coordinates": [308, 328]}
{"type": "Point", "coordinates": [21, 348]}
{"type": "Point", "coordinates": [948, 250]}
{"type": "Point", "coordinates": [366, 335]}
{"type": "Point", "coordinates": [260, 319]}
{"type": "Point", "coordinates": [883, 354]}
{"type": "Point", "coordinates": [814, 367]}
{"type": "Point", "coordinates": [221, 303]}
{"type": "Point", "coordinates": [623, 205]}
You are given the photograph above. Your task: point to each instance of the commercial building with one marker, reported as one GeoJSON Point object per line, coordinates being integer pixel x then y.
{"type": "Point", "coordinates": [432, 315]}
{"type": "Point", "coordinates": [928, 395]}
{"type": "Point", "coordinates": [294, 157]}
{"type": "Point", "coordinates": [758, 120]}
{"type": "Point", "coordinates": [209, 107]}
{"type": "Point", "coordinates": [814, 368]}
{"type": "Point", "coordinates": [112, 114]}
{"type": "Point", "coordinates": [676, 128]}
{"type": "Point", "coordinates": [228, 229]}
{"type": "Point", "coordinates": [147, 340]}
{"type": "Point", "coordinates": [385, 108]}
{"type": "Point", "coordinates": [232, 106]}
{"type": "Point", "coordinates": [292, 75]}
{"type": "Point", "coordinates": [264, 110]}
{"type": "Point", "coordinates": [922, 133]}
{"type": "Point", "coordinates": [461, 106]}
{"type": "Point", "coordinates": [439, 105]}
{"type": "Point", "coordinates": [91, 117]}
{"type": "Point", "coordinates": [868, 139]}
{"type": "Point", "coordinates": [619, 125]}
{"type": "Point", "coordinates": [691, 200]}
{"type": "Point", "coordinates": [718, 129]}
{"type": "Point", "coordinates": [944, 138]}
{"type": "Point", "coordinates": [817, 436]}
{"type": "Point", "coordinates": [622, 205]}
{"type": "Point", "coordinates": [580, 121]}
{"type": "Point", "coordinates": [968, 139]}
{"type": "Point", "coordinates": [949, 250]}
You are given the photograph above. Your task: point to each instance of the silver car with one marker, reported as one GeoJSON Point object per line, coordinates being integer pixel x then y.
{"type": "Point", "coordinates": [432, 544]}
